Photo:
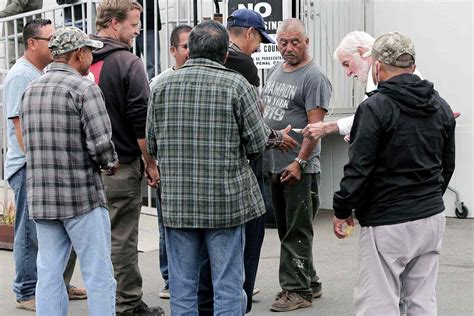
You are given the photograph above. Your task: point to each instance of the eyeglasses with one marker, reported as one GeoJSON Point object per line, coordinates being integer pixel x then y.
{"type": "Point", "coordinates": [185, 46]}
{"type": "Point", "coordinates": [42, 38]}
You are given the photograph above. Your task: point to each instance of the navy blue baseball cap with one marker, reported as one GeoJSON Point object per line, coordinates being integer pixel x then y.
{"type": "Point", "coordinates": [249, 18]}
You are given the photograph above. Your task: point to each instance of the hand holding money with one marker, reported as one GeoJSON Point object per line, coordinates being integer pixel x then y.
{"type": "Point", "coordinates": [343, 227]}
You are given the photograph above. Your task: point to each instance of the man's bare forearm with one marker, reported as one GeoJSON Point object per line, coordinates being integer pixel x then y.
{"type": "Point", "coordinates": [307, 148]}
{"type": "Point", "coordinates": [330, 127]}
{"type": "Point", "coordinates": [146, 156]}
{"type": "Point", "coordinates": [18, 134]}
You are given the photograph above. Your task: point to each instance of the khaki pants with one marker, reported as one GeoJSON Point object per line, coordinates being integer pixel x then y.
{"type": "Point", "coordinates": [125, 201]}
{"type": "Point", "coordinates": [396, 261]}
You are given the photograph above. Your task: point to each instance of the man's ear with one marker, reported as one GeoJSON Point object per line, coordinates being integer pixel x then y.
{"type": "Point", "coordinates": [173, 51]}
{"type": "Point", "coordinates": [248, 32]}
{"type": "Point", "coordinates": [115, 23]}
{"type": "Point", "coordinates": [362, 51]}
{"type": "Point", "coordinates": [78, 54]}
{"type": "Point", "coordinates": [31, 44]}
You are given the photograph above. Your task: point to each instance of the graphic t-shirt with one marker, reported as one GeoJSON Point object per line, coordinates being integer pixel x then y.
{"type": "Point", "coordinates": [287, 97]}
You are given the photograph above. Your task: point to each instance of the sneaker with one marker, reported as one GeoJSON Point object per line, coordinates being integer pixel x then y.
{"type": "Point", "coordinates": [29, 305]}
{"type": "Point", "coordinates": [255, 291]}
{"type": "Point", "coordinates": [144, 310]}
{"type": "Point", "coordinates": [164, 293]}
{"type": "Point", "coordinates": [289, 301]}
{"type": "Point", "coordinates": [279, 294]}
{"type": "Point", "coordinates": [76, 293]}
{"type": "Point", "coordinates": [317, 291]}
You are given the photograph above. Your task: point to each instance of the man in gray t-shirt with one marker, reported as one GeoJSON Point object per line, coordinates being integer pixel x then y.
{"type": "Point", "coordinates": [296, 93]}
{"type": "Point", "coordinates": [288, 97]}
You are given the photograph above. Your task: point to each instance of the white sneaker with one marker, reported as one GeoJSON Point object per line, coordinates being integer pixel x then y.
{"type": "Point", "coordinates": [256, 290]}
{"type": "Point", "coordinates": [164, 293]}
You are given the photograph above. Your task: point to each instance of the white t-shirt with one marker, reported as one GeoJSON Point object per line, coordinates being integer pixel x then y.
{"type": "Point", "coordinates": [90, 76]}
{"type": "Point", "coordinates": [160, 76]}
{"type": "Point", "coordinates": [345, 124]}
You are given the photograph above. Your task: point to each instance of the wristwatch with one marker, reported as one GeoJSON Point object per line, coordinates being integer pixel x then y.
{"type": "Point", "coordinates": [301, 162]}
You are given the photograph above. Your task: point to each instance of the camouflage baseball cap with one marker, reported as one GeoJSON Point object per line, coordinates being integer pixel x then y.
{"type": "Point", "coordinates": [69, 38]}
{"type": "Point", "coordinates": [390, 46]}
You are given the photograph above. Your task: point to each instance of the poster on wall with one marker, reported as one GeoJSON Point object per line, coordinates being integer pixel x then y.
{"type": "Point", "coordinates": [273, 12]}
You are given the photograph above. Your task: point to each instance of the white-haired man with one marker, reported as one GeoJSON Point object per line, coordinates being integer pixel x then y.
{"type": "Point", "coordinates": [353, 52]}
{"type": "Point", "coordinates": [401, 159]}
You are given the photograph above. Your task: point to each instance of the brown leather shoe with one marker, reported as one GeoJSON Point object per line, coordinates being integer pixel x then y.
{"type": "Point", "coordinates": [76, 293]}
{"type": "Point", "coordinates": [144, 310]}
{"type": "Point", "coordinates": [289, 301]}
{"type": "Point", "coordinates": [29, 305]}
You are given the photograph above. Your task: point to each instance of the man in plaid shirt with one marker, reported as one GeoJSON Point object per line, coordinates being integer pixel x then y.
{"type": "Point", "coordinates": [203, 125]}
{"type": "Point", "coordinates": [67, 136]}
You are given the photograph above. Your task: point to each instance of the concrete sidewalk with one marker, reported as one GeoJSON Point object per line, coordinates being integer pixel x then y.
{"type": "Point", "coordinates": [335, 260]}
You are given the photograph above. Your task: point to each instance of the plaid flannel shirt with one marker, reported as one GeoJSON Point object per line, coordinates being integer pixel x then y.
{"type": "Point", "coordinates": [203, 121]}
{"type": "Point", "coordinates": [67, 136]}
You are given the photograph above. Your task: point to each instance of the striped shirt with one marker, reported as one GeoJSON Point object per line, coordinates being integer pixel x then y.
{"type": "Point", "coordinates": [67, 135]}
{"type": "Point", "coordinates": [203, 121]}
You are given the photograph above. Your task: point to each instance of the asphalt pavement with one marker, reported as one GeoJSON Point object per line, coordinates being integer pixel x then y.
{"type": "Point", "coordinates": [335, 260]}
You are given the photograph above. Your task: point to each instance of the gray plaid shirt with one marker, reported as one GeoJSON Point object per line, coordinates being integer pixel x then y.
{"type": "Point", "coordinates": [67, 135]}
{"type": "Point", "coordinates": [203, 121]}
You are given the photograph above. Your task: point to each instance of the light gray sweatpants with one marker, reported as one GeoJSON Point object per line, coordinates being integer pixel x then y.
{"type": "Point", "coordinates": [396, 261]}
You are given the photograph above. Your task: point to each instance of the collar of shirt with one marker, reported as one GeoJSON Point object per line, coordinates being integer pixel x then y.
{"type": "Point", "coordinates": [203, 62]}
{"type": "Point", "coordinates": [234, 47]}
{"type": "Point", "coordinates": [57, 66]}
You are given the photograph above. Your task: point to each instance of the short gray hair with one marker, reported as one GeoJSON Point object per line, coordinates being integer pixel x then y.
{"type": "Point", "coordinates": [353, 41]}
{"type": "Point", "coordinates": [290, 23]}
{"type": "Point", "coordinates": [209, 39]}
{"type": "Point", "coordinates": [236, 30]}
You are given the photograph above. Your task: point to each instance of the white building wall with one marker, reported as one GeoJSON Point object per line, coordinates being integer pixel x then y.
{"type": "Point", "coordinates": [443, 34]}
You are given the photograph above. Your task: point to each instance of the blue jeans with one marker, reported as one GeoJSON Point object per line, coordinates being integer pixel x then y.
{"type": "Point", "coordinates": [25, 245]}
{"type": "Point", "coordinates": [151, 55]}
{"type": "Point", "coordinates": [225, 248]}
{"type": "Point", "coordinates": [254, 233]}
{"type": "Point", "coordinates": [162, 251]}
{"type": "Point", "coordinates": [90, 235]}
